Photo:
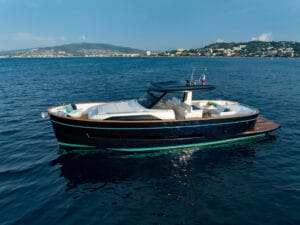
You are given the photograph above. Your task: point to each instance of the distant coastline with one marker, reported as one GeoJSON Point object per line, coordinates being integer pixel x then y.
{"type": "Point", "coordinates": [242, 49]}
{"type": "Point", "coordinates": [221, 49]}
{"type": "Point", "coordinates": [74, 50]}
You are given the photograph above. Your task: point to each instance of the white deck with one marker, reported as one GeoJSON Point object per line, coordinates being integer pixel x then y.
{"type": "Point", "coordinates": [127, 109]}
{"type": "Point", "coordinates": [169, 110]}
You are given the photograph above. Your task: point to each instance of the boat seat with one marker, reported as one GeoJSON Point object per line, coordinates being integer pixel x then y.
{"type": "Point", "coordinates": [183, 110]}
{"type": "Point", "coordinates": [72, 111]}
{"type": "Point", "coordinates": [217, 110]}
{"type": "Point", "coordinates": [194, 107]}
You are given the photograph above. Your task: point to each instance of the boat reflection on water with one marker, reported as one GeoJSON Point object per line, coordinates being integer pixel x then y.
{"type": "Point", "coordinates": [102, 169]}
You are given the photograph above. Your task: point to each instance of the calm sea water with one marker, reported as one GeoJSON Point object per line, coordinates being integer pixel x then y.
{"type": "Point", "coordinates": [253, 183]}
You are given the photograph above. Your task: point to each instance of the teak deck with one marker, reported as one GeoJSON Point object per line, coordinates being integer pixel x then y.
{"type": "Point", "coordinates": [263, 125]}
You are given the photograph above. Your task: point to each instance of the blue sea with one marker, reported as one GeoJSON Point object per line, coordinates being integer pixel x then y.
{"type": "Point", "coordinates": [248, 183]}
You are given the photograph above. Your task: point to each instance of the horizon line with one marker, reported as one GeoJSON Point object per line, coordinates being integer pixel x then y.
{"type": "Point", "coordinates": [123, 46]}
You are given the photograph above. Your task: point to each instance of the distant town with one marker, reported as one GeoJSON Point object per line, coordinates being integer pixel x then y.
{"type": "Point", "coordinates": [220, 49]}
{"type": "Point", "coordinates": [242, 49]}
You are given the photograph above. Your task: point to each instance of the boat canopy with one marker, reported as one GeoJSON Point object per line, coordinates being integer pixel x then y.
{"type": "Point", "coordinates": [179, 86]}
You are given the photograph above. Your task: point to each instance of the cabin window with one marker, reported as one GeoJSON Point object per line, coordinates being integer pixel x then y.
{"type": "Point", "coordinates": [139, 117]}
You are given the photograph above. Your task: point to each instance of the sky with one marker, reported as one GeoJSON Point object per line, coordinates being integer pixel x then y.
{"type": "Point", "coordinates": [146, 24]}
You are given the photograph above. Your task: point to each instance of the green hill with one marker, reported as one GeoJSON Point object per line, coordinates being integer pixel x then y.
{"type": "Point", "coordinates": [243, 49]}
{"type": "Point", "coordinates": [77, 48]}
{"type": "Point", "coordinates": [74, 50]}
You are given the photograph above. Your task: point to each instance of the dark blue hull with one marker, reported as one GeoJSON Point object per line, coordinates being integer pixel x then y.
{"type": "Point", "coordinates": [148, 135]}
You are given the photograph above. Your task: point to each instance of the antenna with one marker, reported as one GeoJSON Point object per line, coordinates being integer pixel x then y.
{"type": "Point", "coordinates": [191, 81]}
{"type": "Point", "coordinates": [192, 75]}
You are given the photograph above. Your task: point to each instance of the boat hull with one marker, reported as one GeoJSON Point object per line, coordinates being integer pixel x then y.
{"type": "Point", "coordinates": [151, 136]}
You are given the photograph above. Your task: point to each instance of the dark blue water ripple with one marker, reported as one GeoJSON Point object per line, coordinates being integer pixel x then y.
{"type": "Point", "coordinates": [253, 183]}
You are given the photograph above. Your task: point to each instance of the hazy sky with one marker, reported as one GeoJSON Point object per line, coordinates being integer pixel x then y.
{"type": "Point", "coordinates": [146, 24]}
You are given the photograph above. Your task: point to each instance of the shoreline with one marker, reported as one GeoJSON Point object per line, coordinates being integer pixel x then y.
{"type": "Point", "coordinates": [223, 57]}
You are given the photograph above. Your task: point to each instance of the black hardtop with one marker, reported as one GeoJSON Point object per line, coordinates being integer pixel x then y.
{"type": "Point", "coordinates": [179, 86]}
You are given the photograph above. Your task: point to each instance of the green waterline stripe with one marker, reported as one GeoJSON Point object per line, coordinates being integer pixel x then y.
{"type": "Point", "coordinates": [75, 145]}
{"type": "Point", "coordinates": [149, 128]}
{"type": "Point", "coordinates": [188, 145]}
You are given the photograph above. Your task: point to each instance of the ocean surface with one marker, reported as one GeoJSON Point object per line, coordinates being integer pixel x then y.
{"type": "Point", "coordinates": [249, 183]}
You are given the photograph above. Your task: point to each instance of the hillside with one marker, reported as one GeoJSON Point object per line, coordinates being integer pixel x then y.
{"type": "Point", "coordinates": [243, 49]}
{"type": "Point", "coordinates": [75, 50]}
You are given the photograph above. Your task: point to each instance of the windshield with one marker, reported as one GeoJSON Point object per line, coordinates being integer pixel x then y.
{"type": "Point", "coordinates": [149, 99]}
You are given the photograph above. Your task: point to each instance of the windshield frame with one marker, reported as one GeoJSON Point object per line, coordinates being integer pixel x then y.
{"type": "Point", "coordinates": [150, 98]}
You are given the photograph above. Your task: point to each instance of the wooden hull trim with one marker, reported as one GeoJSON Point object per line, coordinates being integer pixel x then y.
{"type": "Point", "coordinates": [153, 128]}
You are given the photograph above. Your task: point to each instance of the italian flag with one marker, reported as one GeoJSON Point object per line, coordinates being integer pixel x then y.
{"type": "Point", "coordinates": [203, 78]}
